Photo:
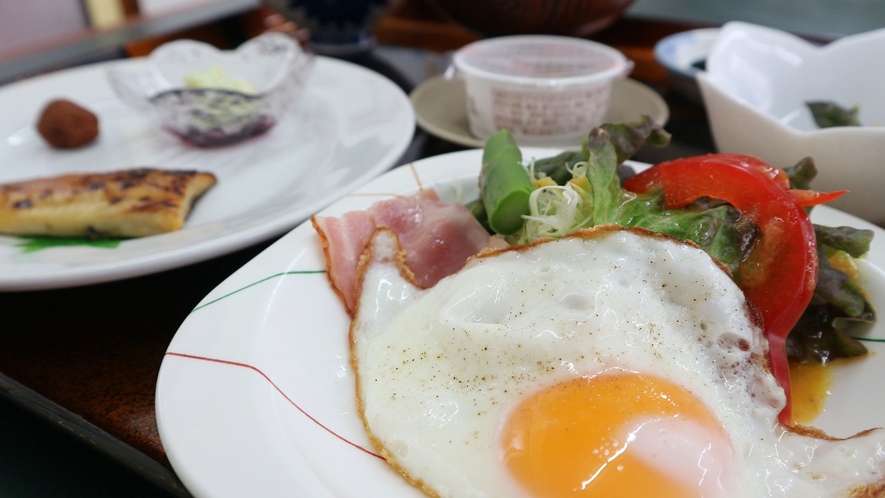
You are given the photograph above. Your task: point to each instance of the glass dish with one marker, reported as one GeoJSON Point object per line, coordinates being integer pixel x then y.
{"type": "Point", "coordinates": [209, 97]}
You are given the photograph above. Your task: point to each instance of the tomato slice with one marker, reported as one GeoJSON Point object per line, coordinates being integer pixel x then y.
{"type": "Point", "coordinates": [780, 273]}
{"type": "Point", "coordinates": [808, 198]}
{"type": "Point", "coordinates": [778, 175]}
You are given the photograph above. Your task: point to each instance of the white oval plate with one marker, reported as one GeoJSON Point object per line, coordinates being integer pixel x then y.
{"type": "Point", "coordinates": [256, 396]}
{"type": "Point", "coordinates": [351, 125]}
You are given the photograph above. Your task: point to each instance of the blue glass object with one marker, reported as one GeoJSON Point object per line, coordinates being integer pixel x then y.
{"type": "Point", "coordinates": [337, 27]}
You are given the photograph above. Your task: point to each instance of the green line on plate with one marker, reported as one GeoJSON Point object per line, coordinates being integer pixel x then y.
{"type": "Point", "coordinates": [867, 339]}
{"type": "Point", "coordinates": [265, 279]}
{"type": "Point", "coordinates": [39, 243]}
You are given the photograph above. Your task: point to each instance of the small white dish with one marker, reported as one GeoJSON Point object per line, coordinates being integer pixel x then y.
{"type": "Point", "coordinates": [684, 55]}
{"type": "Point", "coordinates": [256, 394]}
{"type": "Point", "coordinates": [440, 108]}
{"type": "Point", "coordinates": [756, 87]}
{"type": "Point", "coordinates": [352, 125]}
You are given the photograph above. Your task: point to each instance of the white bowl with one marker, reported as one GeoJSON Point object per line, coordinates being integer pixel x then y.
{"type": "Point", "coordinates": [757, 83]}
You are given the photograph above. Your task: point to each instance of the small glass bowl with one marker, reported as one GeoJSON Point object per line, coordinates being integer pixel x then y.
{"type": "Point", "coordinates": [273, 64]}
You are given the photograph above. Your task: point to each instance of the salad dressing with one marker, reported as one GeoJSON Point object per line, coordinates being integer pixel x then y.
{"type": "Point", "coordinates": [811, 382]}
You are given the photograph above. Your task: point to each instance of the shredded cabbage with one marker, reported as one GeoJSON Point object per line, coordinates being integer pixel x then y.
{"type": "Point", "coordinates": [556, 211]}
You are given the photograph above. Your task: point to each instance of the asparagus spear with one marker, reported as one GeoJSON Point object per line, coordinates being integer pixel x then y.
{"type": "Point", "coordinates": [504, 183]}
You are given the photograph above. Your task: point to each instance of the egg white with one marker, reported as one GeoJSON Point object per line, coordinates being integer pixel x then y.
{"type": "Point", "coordinates": [439, 370]}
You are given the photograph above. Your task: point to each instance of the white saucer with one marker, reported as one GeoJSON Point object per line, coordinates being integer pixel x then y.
{"type": "Point", "coordinates": [441, 107]}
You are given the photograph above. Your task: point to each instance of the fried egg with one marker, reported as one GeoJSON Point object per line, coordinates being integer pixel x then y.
{"type": "Point", "coordinates": [613, 362]}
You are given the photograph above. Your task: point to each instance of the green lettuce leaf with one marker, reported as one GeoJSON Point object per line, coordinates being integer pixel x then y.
{"type": "Point", "coordinates": [802, 173]}
{"type": "Point", "coordinates": [854, 241]}
{"type": "Point", "coordinates": [715, 226]}
{"type": "Point", "coordinates": [626, 138]}
{"type": "Point", "coordinates": [602, 173]}
{"type": "Point", "coordinates": [834, 288]}
{"type": "Point", "coordinates": [830, 114]}
{"type": "Point", "coordinates": [817, 338]}
{"type": "Point", "coordinates": [558, 168]}
{"type": "Point", "coordinates": [838, 305]}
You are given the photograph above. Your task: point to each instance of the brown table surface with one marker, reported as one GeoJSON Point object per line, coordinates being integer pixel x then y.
{"type": "Point", "coordinates": [87, 358]}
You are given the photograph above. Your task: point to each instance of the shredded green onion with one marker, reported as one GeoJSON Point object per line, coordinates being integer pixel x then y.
{"type": "Point", "coordinates": [555, 211]}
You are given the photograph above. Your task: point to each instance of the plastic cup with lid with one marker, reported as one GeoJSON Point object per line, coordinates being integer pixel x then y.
{"type": "Point", "coordinates": [546, 90]}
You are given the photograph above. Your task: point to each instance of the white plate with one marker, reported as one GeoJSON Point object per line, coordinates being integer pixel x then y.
{"type": "Point", "coordinates": [441, 107]}
{"type": "Point", "coordinates": [255, 395]}
{"type": "Point", "coordinates": [679, 53]}
{"type": "Point", "coordinates": [351, 125]}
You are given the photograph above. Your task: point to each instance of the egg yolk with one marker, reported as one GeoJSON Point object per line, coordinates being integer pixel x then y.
{"type": "Point", "coordinates": [584, 437]}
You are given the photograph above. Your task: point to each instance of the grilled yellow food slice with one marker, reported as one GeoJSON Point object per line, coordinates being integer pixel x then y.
{"type": "Point", "coordinates": [129, 203]}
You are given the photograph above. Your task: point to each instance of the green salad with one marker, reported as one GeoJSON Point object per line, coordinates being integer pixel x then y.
{"type": "Point", "coordinates": [718, 202]}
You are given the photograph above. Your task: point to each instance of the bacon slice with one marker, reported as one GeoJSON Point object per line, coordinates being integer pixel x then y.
{"type": "Point", "coordinates": [344, 240]}
{"type": "Point", "coordinates": [438, 239]}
